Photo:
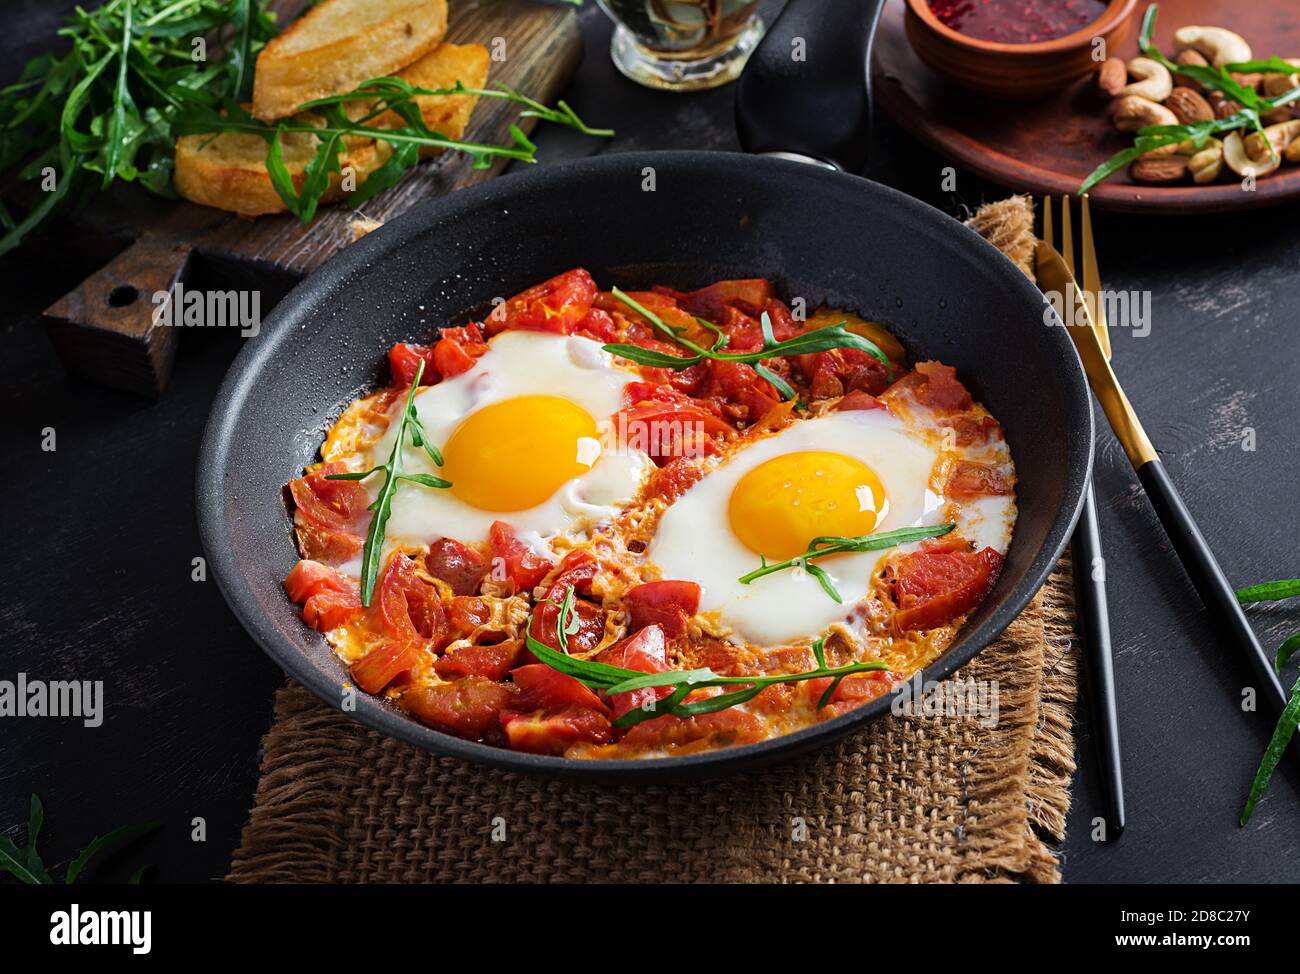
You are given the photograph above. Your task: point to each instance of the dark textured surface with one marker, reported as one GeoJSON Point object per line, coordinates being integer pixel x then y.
{"type": "Point", "coordinates": [100, 536]}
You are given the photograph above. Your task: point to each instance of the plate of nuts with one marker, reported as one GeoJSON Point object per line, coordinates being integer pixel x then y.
{"type": "Point", "coordinates": [1196, 108]}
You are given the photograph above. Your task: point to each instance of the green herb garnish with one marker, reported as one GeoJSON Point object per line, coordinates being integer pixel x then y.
{"type": "Point", "coordinates": [27, 866]}
{"type": "Point", "coordinates": [610, 680]}
{"type": "Point", "coordinates": [1153, 137]}
{"type": "Point", "coordinates": [832, 545]}
{"type": "Point", "coordinates": [1285, 728]}
{"type": "Point", "coordinates": [382, 507]}
{"type": "Point", "coordinates": [817, 340]}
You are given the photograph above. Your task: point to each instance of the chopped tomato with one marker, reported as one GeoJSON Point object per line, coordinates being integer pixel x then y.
{"type": "Point", "coordinates": [329, 610]}
{"type": "Point", "coordinates": [541, 687]}
{"type": "Point", "coordinates": [675, 478]}
{"type": "Point", "coordinates": [597, 325]}
{"type": "Point", "coordinates": [554, 732]}
{"type": "Point", "coordinates": [320, 544]}
{"type": "Point", "coordinates": [385, 663]}
{"type": "Point", "coordinates": [557, 305]}
{"type": "Point", "coordinates": [942, 390]}
{"type": "Point", "coordinates": [470, 707]}
{"type": "Point", "coordinates": [466, 613]}
{"type": "Point", "coordinates": [409, 607]}
{"type": "Point", "coordinates": [457, 350]}
{"type": "Point", "coordinates": [838, 371]}
{"type": "Point", "coordinates": [974, 429]}
{"type": "Point", "coordinates": [404, 362]}
{"type": "Point", "coordinates": [308, 578]}
{"type": "Point", "coordinates": [590, 623]}
{"type": "Point", "coordinates": [644, 652]}
{"type": "Point", "coordinates": [741, 386]}
{"type": "Point", "coordinates": [852, 692]}
{"type": "Point", "coordinates": [667, 604]}
{"type": "Point", "coordinates": [522, 565]}
{"type": "Point", "coordinates": [665, 429]}
{"type": "Point", "coordinates": [721, 729]}
{"type": "Point", "coordinates": [493, 662]}
{"type": "Point", "coordinates": [460, 566]}
{"type": "Point", "coordinates": [859, 400]}
{"type": "Point", "coordinates": [713, 302]}
{"type": "Point", "coordinates": [934, 588]}
{"type": "Point", "coordinates": [335, 505]}
{"type": "Point", "coordinates": [967, 479]}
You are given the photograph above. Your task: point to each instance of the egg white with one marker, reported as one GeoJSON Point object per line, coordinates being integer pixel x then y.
{"type": "Point", "coordinates": [694, 540]}
{"type": "Point", "coordinates": [517, 363]}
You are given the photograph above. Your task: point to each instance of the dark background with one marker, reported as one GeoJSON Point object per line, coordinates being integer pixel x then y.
{"type": "Point", "coordinates": [99, 535]}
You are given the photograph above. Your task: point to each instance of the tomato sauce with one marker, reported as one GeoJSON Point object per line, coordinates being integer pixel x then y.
{"type": "Point", "coordinates": [1017, 21]}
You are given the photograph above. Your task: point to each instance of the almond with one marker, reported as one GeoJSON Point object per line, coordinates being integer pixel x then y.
{"type": "Point", "coordinates": [1190, 57]}
{"type": "Point", "coordinates": [1158, 169]}
{"type": "Point", "coordinates": [1223, 107]}
{"type": "Point", "coordinates": [1189, 106]}
{"type": "Point", "coordinates": [1112, 76]}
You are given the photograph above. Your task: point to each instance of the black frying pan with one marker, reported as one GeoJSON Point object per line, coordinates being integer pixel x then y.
{"type": "Point", "coordinates": [817, 233]}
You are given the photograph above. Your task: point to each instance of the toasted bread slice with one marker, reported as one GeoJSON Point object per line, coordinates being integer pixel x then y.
{"type": "Point", "coordinates": [228, 171]}
{"type": "Point", "coordinates": [441, 68]}
{"type": "Point", "coordinates": [339, 44]}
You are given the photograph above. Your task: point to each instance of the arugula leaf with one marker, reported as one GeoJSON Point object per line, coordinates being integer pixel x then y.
{"type": "Point", "coordinates": [1284, 653]}
{"type": "Point", "coordinates": [102, 843]}
{"type": "Point", "coordinates": [1269, 591]}
{"type": "Point", "coordinates": [1277, 745]}
{"type": "Point", "coordinates": [382, 506]}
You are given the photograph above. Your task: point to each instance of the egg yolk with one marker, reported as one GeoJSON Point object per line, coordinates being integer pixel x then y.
{"type": "Point", "coordinates": [514, 454]}
{"type": "Point", "coordinates": [783, 503]}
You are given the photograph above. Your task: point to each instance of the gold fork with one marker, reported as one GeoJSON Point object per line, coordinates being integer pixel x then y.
{"type": "Point", "coordinates": [1089, 567]}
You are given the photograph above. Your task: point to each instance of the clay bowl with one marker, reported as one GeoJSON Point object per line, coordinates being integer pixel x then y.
{"type": "Point", "coordinates": [1012, 70]}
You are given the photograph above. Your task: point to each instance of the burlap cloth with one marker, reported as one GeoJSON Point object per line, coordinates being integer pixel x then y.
{"type": "Point", "coordinates": [907, 799]}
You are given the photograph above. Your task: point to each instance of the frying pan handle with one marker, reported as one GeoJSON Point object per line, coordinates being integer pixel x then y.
{"type": "Point", "coordinates": [806, 90]}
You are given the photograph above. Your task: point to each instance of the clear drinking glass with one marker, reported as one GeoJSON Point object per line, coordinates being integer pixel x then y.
{"type": "Point", "coordinates": [683, 45]}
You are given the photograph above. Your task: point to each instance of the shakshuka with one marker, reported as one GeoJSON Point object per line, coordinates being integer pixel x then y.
{"type": "Point", "coordinates": [542, 504]}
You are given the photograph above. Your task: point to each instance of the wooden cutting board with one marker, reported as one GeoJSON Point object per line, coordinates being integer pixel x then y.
{"type": "Point", "coordinates": [103, 330]}
{"type": "Point", "coordinates": [1050, 146]}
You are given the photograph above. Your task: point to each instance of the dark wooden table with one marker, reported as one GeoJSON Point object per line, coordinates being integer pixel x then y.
{"type": "Point", "coordinates": [99, 535]}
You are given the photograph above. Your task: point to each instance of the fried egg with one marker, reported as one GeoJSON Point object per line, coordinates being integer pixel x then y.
{"type": "Point", "coordinates": [844, 474]}
{"type": "Point", "coordinates": [527, 437]}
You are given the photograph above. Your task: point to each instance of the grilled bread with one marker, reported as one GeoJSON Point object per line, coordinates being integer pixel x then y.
{"type": "Point", "coordinates": [339, 44]}
{"type": "Point", "coordinates": [441, 68]}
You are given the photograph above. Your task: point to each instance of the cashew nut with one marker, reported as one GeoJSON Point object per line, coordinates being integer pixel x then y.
{"type": "Point", "coordinates": [1206, 164]}
{"type": "Point", "coordinates": [1218, 44]}
{"type": "Point", "coordinates": [1133, 112]}
{"type": "Point", "coordinates": [1280, 84]}
{"type": "Point", "coordinates": [1234, 154]}
{"type": "Point", "coordinates": [1292, 153]}
{"type": "Point", "coordinates": [1153, 80]}
{"type": "Point", "coordinates": [1280, 136]}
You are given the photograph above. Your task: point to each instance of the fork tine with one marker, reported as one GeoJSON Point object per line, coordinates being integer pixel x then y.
{"type": "Point", "coordinates": [1049, 234]}
{"type": "Point", "coordinates": [1067, 236]}
{"type": "Point", "coordinates": [1092, 279]}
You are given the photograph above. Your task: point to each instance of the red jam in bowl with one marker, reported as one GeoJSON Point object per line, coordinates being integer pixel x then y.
{"type": "Point", "coordinates": [1017, 21]}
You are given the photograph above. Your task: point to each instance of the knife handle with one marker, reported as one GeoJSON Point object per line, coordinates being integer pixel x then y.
{"type": "Point", "coordinates": [1098, 661]}
{"type": "Point", "coordinates": [805, 89]}
{"type": "Point", "coordinates": [1211, 584]}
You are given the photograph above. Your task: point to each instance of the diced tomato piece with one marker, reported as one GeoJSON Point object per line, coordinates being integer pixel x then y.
{"type": "Point", "coordinates": [712, 302]}
{"type": "Point", "coordinates": [933, 588]}
{"type": "Point", "coordinates": [942, 390]}
{"type": "Point", "coordinates": [852, 692]}
{"type": "Point", "coordinates": [470, 707]}
{"type": "Point", "coordinates": [493, 662]}
{"type": "Point", "coordinates": [554, 732]}
{"type": "Point", "coordinates": [675, 478]}
{"type": "Point", "coordinates": [329, 610]}
{"type": "Point", "coordinates": [522, 565]}
{"type": "Point", "coordinates": [459, 565]}
{"type": "Point", "coordinates": [784, 326]}
{"type": "Point", "coordinates": [860, 401]}
{"type": "Point", "coordinates": [967, 479]}
{"type": "Point", "coordinates": [597, 325]}
{"type": "Point", "coordinates": [409, 607]}
{"type": "Point", "coordinates": [644, 652]}
{"type": "Point", "coordinates": [404, 362]}
{"type": "Point", "coordinates": [576, 571]}
{"type": "Point", "coordinates": [385, 663]}
{"type": "Point", "coordinates": [466, 613]}
{"type": "Point", "coordinates": [308, 578]}
{"type": "Point", "coordinates": [543, 687]}
{"type": "Point", "coordinates": [667, 604]}
{"type": "Point", "coordinates": [457, 350]}
{"type": "Point", "coordinates": [667, 430]}
{"type": "Point", "coordinates": [741, 386]}
{"type": "Point", "coordinates": [556, 305]}
{"type": "Point", "coordinates": [329, 547]}
{"type": "Point", "coordinates": [335, 505]}
{"type": "Point", "coordinates": [722, 729]}
{"type": "Point", "coordinates": [971, 430]}
{"type": "Point", "coordinates": [838, 371]}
